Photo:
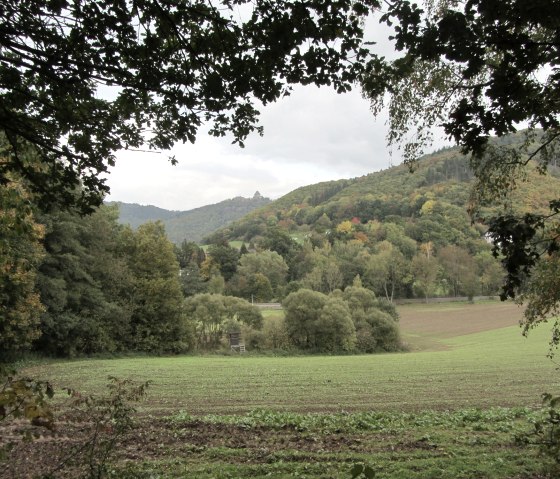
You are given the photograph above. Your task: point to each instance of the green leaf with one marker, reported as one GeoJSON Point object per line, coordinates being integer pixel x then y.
{"type": "Point", "coordinates": [369, 472]}
{"type": "Point", "coordinates": [356, 470]}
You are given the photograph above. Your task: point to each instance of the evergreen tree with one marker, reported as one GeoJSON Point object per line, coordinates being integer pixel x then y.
{"type": "Point", "coordinates": [191, 280]}
{"type": "Point", "coordinates": [225, 257]}
{"type": "Point", "coordinates": [189, 253]}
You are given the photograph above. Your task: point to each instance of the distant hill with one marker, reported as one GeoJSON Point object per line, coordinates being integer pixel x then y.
{"type": "Point", "coordinates": [134, 214]}
{"type": "Point", "coordinates": [191, 225]}
{"type": "Point", "coordinates": [430, 203]}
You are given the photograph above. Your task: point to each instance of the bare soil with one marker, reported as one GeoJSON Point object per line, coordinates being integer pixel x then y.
{"type": "Point", "coordinates": [154, 439]}
{"type": "Point", "coordinates": [450, 320]}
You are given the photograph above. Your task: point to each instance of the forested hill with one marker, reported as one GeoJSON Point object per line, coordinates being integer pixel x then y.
{"type": "Point", "coordinates": [191, 225]}
{"type": "Point", "coordinates": [429, 204]}
{"type": "Point", "coordinates": [134, 214]}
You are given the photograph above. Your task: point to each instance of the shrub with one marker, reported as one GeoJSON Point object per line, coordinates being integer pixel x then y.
{"type": "Point", "coordinates": [335, 328]}
{"type": "Point", "coordinates": [546, 431]}
{"type": "Point", "coordinates": [275, 334]}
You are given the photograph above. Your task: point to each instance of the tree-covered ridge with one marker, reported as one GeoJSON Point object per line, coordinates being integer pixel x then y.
{"type": "Point", "coordinates": [191, 225]}
{"type": "Point", "coordinates": [432, 202]}
{"type": "Point", "coordinates": [134, 214]}
{"type": "Point", "coordinates": [404, 234]}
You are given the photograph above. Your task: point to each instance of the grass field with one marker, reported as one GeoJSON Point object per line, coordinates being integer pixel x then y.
{"type": "Point", "coordinates": [457, 360]}
{"type": "Point", "coordinates": [448, 408]}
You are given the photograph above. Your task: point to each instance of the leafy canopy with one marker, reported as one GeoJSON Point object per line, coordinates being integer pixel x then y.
{"type": "Point", "coordinates": [81, 80]}
{"type": "Point", "coordinates": [479, 68]}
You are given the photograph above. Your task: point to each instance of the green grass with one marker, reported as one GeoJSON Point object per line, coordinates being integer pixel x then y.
{"type": "Point", "coordinates": [450, 411]}
{"type": "Point", "coordinates": [234, 244]}
{"type": "Point", "coordinates": [492, 368]}
{"type": "Point", "coordinates": [272, 313]}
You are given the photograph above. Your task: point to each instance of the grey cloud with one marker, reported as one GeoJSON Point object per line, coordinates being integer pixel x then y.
{"type": "Point", "coordinates": [320, 127]}
{"type": "Point", "coordinates": [312, 136]}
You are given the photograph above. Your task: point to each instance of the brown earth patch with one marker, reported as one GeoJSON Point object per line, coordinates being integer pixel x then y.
{"type": "Point", "coordinates": [155, 439]}
{"type": "Point", "coordinates": [198, 435]}
{"type": "Point", "coordinates": [450, 320]}
{"type": "Point", "coordinates": [196, 442]}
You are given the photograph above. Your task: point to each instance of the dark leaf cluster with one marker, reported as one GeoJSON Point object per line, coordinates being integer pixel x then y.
{"type": "Point", "coordinates": [500, 49]}
{"type": "Point", "coordinates": [522, 242]}
{"type": "Point", "coordinates": [81, 80]}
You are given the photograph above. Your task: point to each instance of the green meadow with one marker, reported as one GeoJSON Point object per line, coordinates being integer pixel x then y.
{"type": "Point", "coordinates": [497, 367]}
{"type": "Point", "coordinates": [450, 407]}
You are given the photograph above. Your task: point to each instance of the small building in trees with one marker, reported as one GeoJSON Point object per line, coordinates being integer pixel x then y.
{"type": "Point", "coordinates": [236, 342]}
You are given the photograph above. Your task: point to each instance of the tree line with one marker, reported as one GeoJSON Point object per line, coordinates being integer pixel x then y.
{"type": "Point", "coordinates": [75, 284]}
{"type": "Point", "coordinates": [385, 256]}
{"type": "Point", "coordinates": [469, 67]}
{"type": "Point", "coordinates": [79, 285]}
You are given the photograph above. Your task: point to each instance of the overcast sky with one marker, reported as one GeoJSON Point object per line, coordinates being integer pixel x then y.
{"type": "Point", "coordinates": [314, 135]}
{"type": "Point", "coordinates": [311, 136]}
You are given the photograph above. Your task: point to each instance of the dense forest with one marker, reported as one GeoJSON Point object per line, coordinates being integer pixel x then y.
{"type": "Point", "coordinates": [75, 285]}
{"type": "Point", "coordinates": [404, 234]}
{"type": "Point", "coordinates": [336, 254]}
{"type": "Point", "coordinates": [439, 191]}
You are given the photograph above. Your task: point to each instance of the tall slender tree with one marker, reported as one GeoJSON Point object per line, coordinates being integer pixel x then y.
{"type": "Point", "coordinates": [20, 253]}
{"type": "Point", "coordinates": [157, 322]}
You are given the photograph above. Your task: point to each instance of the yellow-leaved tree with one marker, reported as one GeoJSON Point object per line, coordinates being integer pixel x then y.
{"type": "Point", "coordinates": [20, 253]}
